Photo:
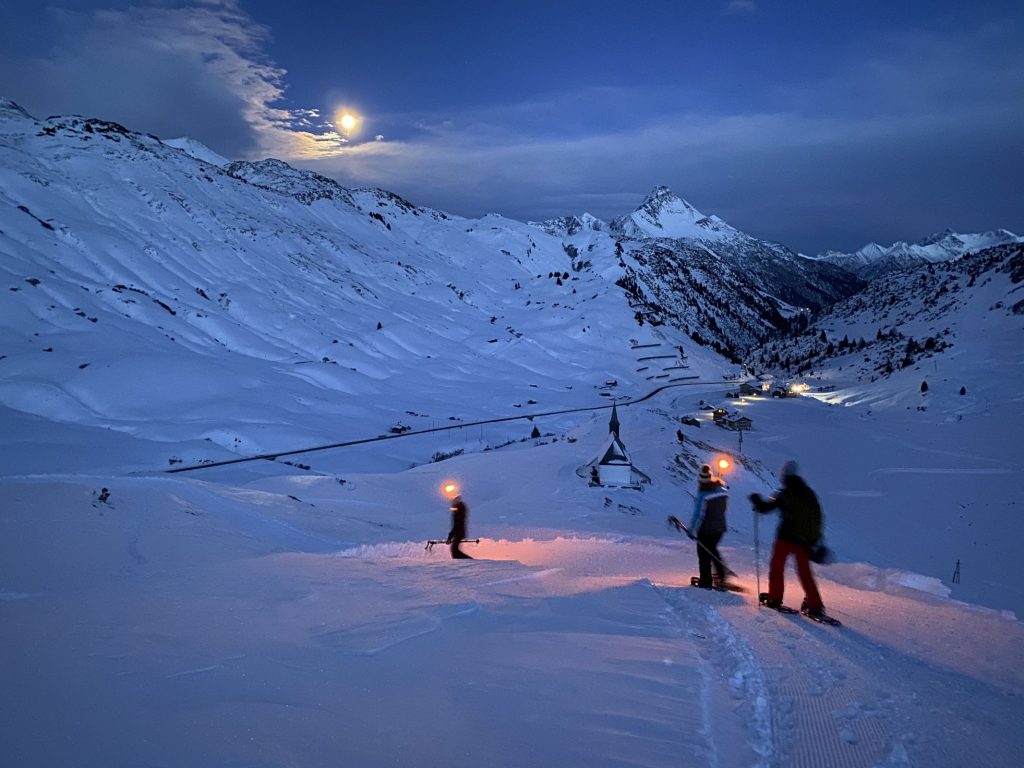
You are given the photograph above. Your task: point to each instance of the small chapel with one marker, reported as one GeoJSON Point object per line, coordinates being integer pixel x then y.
{"type": "Point", "coordinates": [612, 467]}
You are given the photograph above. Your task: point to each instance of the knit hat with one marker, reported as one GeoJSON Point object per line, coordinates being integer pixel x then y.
{"type": "Point", "coordinates": [705, 472]}
{"type": "Point", "coordinates": [789, 468]}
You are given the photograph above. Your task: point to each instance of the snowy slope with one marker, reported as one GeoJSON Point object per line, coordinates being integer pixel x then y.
{"type": "Point", "coordinates": [161, 311]}
{"type": "Point", "coordinates": [950, 325]}
{"type": "Point", "coordinates": [198, 151]}
{"type": "Point", "coordinates": [126, 259]}
{"type": "Point", "coordinates": [222, 620]}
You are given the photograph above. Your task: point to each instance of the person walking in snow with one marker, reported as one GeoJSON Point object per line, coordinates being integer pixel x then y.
{"type": "Point", "coordinates": [799, 531]}
{"type": "Point", "coordinates": [707, 526]}
{"type": "Point", "coordinates": [458, 532]}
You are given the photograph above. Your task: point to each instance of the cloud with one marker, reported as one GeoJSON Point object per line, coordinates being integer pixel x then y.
{"type": "Point", "coordinates": [196, 70]}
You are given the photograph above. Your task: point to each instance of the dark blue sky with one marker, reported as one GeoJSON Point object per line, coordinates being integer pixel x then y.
{"type": "Point", "coordinates": [821, 125]}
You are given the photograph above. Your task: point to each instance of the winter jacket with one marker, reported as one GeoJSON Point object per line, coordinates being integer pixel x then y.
{"type": "Point", "coordinates": [459, 512]}
{"type": "Point", "coordinates": [800, 519]}
{"type": "Point", "coordinates": [709, 509]}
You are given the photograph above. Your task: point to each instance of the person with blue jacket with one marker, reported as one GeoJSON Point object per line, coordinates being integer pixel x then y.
{"type": "Point", "coordinates": [707, 526]}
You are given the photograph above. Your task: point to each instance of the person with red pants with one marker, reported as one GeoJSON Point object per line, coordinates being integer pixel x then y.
{"type": "Point", "coordinates": [799, 531]}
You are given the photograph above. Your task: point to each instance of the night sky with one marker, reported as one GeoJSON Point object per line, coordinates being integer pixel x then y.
{"type": "Point", "coordinates": [823, 128]}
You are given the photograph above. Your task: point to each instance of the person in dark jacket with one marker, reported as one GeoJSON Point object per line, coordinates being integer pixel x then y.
{"type": "Point", "coordinates": [707, 526]}
{"type": "Point", "coordinates": [800, 529]}
{"type": "Point", "coordinates": [458, 532]}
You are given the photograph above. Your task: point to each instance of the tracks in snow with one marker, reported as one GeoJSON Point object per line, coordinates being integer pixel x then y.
{"type": "Point", "coordinates": [800, 698]}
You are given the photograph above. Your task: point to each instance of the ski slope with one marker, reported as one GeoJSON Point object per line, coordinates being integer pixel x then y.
{"type": "Point", "coordinates": [272, 616]}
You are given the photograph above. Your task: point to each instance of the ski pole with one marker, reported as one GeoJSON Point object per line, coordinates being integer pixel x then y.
{"type": "Point", "coordinates": [757, 558]}
{"type": "Point", "coordinates": [679, 526]}
{"type": "Point", "coordinates": [432, 542]}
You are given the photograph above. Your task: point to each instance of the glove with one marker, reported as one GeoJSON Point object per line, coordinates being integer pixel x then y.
{"type": "Point", "coordinates": [757, 501]}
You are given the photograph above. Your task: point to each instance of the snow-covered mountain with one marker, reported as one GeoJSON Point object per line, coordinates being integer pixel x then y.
{"type": "Point", "coordinates": [874, 260]}
{"type": "Point", "coordinates": [193, 259]}
{"type": "Point", "coordinates": [112, 239]}
{"type": "Point", "coordinates": [664, 215]}
{"type": "Point", "coordinates": [680, 267]}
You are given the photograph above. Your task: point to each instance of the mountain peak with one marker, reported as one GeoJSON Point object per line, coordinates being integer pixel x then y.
{"type": "Point", "coordinates": [10, 108]}
{"type": "Point", "coordinates": [662, 199]}
{"type": "Point", "coordinates": [938, 237]}
{"type": "Point", "coordinates": [664, 214]}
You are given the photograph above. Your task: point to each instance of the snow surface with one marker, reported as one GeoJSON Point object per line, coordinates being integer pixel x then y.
{"type": "Point", "coordinates": [287, 613]}
{"type": "Point", "coordinates": [217, 619]}
{"type": "Point", "coordinates": [198, 151]}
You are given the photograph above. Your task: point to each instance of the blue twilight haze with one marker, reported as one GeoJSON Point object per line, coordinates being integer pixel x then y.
{"type": "Point", "coordinates": [823, 128]}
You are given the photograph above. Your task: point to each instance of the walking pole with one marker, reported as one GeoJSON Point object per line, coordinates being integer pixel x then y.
{"type": "Point", "coordinates": [757, 559]}
{"type": "Point", "coordinates": [673, 520]}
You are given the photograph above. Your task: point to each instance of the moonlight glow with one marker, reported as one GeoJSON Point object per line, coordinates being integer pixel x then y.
{"type": "Point", "coordinates": [347, 120]}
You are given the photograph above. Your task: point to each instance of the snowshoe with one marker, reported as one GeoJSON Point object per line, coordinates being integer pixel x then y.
{"type": "Point", "coordinates": [820, 616]}
{"type": "Point", "coordinates": [775, 605]}
{"type": "Point", "coordinates": [717, 584]}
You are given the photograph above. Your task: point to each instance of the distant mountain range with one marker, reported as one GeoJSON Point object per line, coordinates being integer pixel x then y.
{"type": "Point", "coordinates": [875, 260]}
